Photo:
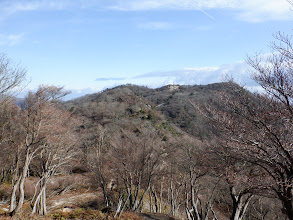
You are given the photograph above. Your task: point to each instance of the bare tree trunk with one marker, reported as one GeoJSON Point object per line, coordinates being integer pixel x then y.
{"type": "Point", "coordinates": [36, 203]}
{"type": "Point", "coordinates": [45, 200]}
{"type": "Point", "coordinates": [119, 209]}
{"type": "Point", "coordinates": [15, 181]}
{"type": "Point", "coordinates": [151, 200]}
{"type": "Point", "coordinates": [156, 199]}
{"type": "Point", "coordinates": [137, 189]}
{"type": "Point", "coordinates": [161, 195]}
{"type": "Point", "coordinates": [13, 195]}
{"type": "Point", "coordinates": [21, 184]}
{"type": "Point", "coordinates": [129, 190]}
{"type": "Point", "coordinates": [172, 202]}
{"type": "Point", "coordinates": [240, 204]}
{"type": "Point", "coordinates": [119, 206]}
{"type": "Point", "coordinates": [188, 212]}
{"type": "Point", "coordinates": [40, 205]}
{"type": "Point", "coordinates": [99, 145]}
{"type": "Point", "coordinates": [139, 202]}
{"type": "Point", "coordinates": [104, 188]}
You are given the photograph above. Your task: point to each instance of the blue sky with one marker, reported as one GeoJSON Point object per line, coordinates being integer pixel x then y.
{"type": "Point", "coordinates": [90, 45]}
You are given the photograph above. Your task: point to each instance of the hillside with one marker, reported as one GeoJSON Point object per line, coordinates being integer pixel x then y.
{"type": "Point", "coordinates": [122, 108]}
{"type": "Point", "coordinates": [151, 150]}
{"type": "Point", "coordinates": [174, 102]}
{"type": "Point", "coordinates": [169, 106]}
{"type": "Point", "coordinates": [140, 124]}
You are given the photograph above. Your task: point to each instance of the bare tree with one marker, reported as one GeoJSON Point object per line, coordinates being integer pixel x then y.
{"type": "Point", "coordinates": [135, 162]}
{"type": "Point", "coordinates": [198, 186]}
{"type": "Point", "coordinates": [275, 74]}
{"type": "Point", "coordinates": [8, 114]}
{"type": "Point", "coordinates": [57, 150]}
{"type": "Point", "coordinates": [241, 192]}
{"type": "Point", "coordinates": [243, 180]}
{"type": "Point", "coordinates": [35, 112]}
{"type": "Point", "coordinates": [11, 76]}
{"type": "Point", "coordinates": [99, 159]}
{"type": "Point", "coordinates": [257, 129]}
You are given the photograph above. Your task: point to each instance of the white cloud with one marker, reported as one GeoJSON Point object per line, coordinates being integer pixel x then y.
{"type": "Point", "coordinates": [260, 10]}
{"type": "Point", "coordinates": [137, 5]}
{"type": "Point", "coordinates": [10, 7]}
{"type": "Point", "coordinates": [202, 75]}
{"type": "Point", "coordinates": [11, 39]}
{"type": "Point", "coordinates": [239, 71]}
{"type": "Point", "coordinates": [13, 6]}
{"type": "Point", "coordinates": [247, 10]}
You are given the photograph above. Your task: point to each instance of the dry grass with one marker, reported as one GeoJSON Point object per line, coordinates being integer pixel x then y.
{"type": "Point", "coordinates": [79, 214]}
{"type": "Point", "coordinates": [130, 215]}
{"type": "Point", "coordinates": [23, 216]}
{"type": "Point", "coordinates": [5, 191]}
{"type": "Point", "coordinates": [92, 214]}
{"type": "Point", "coordinates": [79, 202]}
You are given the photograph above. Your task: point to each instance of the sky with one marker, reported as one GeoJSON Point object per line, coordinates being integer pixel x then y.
{"type": "Point", "coordinates": [90, 45]}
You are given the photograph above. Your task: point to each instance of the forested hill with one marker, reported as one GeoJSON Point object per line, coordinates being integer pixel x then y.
{"type": "Point", "coordinates": [175, 150]}
{"type": "Point", "coordinates": [171, 104]}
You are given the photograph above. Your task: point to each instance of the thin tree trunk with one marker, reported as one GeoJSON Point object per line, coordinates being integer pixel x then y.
{"type": "Point", "coordinates": [161, 195]}
{"type": "Point", "coordinates": [21, 184]}
{"type": "Point", "coordinates": [172, 199]}
{"type": "Point", "coordinates": [36, 203]}
{"type": "Point", "coordinates": [40, 205]}
{"type": "Point", "coordinates": [239, 204]}
{"type": "Point", "coordinates": [150, 195]}
{"type": "Point", "coordinates": [119, 205]}
{"type": "Point", "coordinates": [106, 200]}
{"type": "Point", "coordinates": [124, 205]}
{"type": "Point", "coordinates": [188, 212]}
{"type": "Point", "coordinates": [141, 198]}
{"type": "Point", "coordinates": [15, 181]}
{"type": "Point", "coordinates": [21, 197]}
{"type": "Point", "coordinates": [13, 195]}
{"type": "Point", "coordinates": [156, 199]}
{"type": "Point", "coordinates": [43, 207]}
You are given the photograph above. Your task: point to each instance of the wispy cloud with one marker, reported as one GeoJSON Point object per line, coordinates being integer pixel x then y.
{"type": "Point", "coordinates": [264, 10]}
{"type": "Point", "coordinates": [247, 10]}
{"type": "Point", "coordinates": [136, 5]}
{"type": "Point", "coordinates": [207, 14]}
{"type": "Point", "coordinates": [10, 39]}
{"type": "Point", "coordinates": [203, 75]}
{"type": "Point", "coordinates": [239, 71]}
{"type": "Point", "coordinates": [12, 6]}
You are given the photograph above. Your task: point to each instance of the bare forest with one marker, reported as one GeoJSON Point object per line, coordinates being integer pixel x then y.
{"type": "Point", "coordinates": [198, 152]}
